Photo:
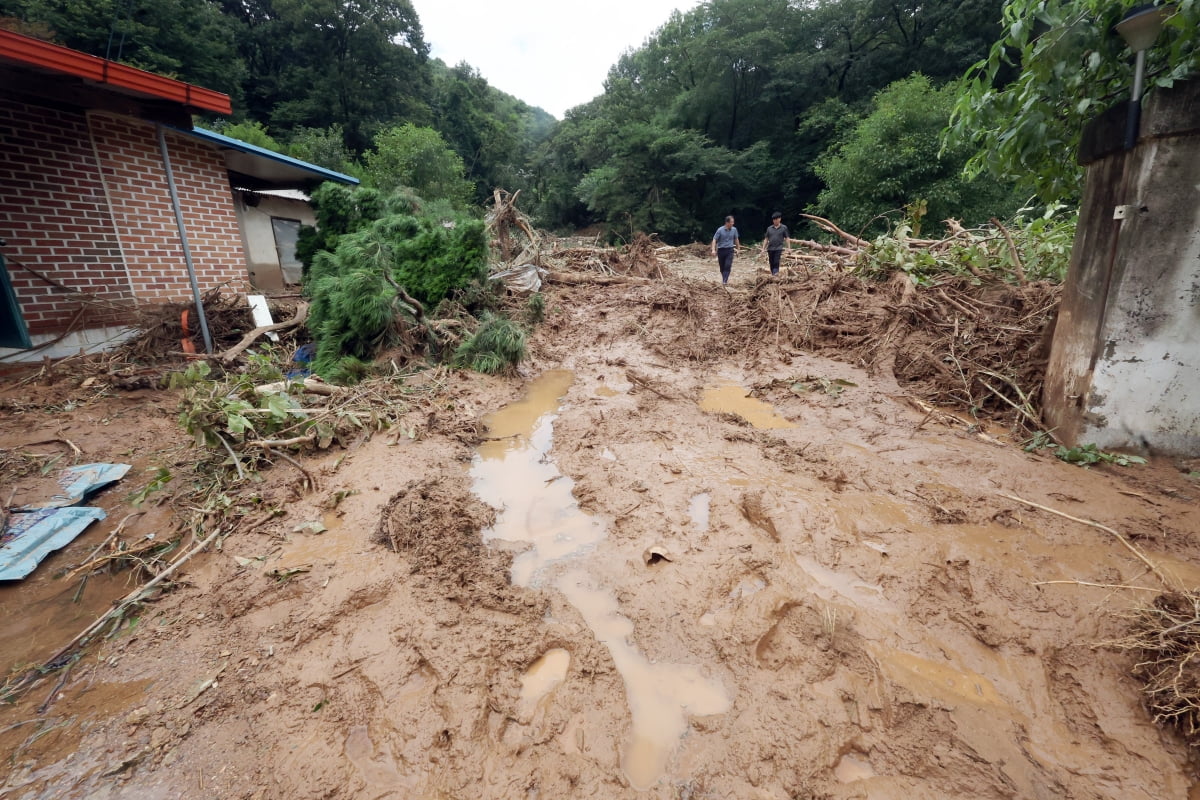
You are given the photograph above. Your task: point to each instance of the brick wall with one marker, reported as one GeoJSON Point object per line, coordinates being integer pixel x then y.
{"type": "Point", "coordinates": [102, 229]}
{"type": "Point", "coordinates": [141, 207]}
{"type": "Point", "coordinates": [55, 218]}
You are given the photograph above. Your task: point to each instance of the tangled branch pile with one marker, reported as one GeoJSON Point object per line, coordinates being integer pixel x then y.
{"type": "Point", "coordinates": [639, 259]}
{"type": "Point", "coordinates": [1030, 250]}
{"type": "Point", "coordinates": [1164, 638]}
{"type": "Point", "coordinates": [161, 333]}
{"type": "Point", "coordinates": [512, 239]}
{"type": "Point", "coordinates": [978, 347]}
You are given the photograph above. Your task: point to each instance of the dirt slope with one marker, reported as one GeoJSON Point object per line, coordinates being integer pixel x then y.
{"type": "Point", "coordinates": [835, 601]}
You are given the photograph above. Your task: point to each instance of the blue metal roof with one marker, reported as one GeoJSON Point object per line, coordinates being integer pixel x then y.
{"type": "Point", "coordinates": [267, 165]}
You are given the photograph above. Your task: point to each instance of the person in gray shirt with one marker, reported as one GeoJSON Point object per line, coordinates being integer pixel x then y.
{"type": "Point", "coordinates": [776, 241]}
{"type": "Point", "coordinates": [725, 240]}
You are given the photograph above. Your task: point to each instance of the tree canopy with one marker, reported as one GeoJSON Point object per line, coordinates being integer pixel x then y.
{"type": "Point", "coordinates": [1070, 64]}
{"type": "Point", "coordinates": [735, 106]}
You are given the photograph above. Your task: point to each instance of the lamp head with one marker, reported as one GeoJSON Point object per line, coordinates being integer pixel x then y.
{"type": "Point", "coordinates": [1142, 25]}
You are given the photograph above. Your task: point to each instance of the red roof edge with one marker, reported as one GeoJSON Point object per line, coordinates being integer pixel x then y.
{"type": "Point", "coordinates": [34, 52]}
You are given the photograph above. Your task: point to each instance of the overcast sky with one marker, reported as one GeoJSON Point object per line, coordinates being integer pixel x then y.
{"type": "Point", "coordinates": [549, 53]}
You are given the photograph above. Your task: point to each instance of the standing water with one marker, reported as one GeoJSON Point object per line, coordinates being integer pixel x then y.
{"type": "Point", "coordinates": [513, 473]}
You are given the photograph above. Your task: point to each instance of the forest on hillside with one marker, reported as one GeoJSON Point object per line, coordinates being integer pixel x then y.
{"type": "Point", "coordinates": [854, 109]}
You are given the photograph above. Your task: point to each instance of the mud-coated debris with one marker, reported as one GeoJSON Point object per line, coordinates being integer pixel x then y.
{"type": "Point", "coordinates": [158, 737]}
{"type": "Point", "coordinates": [120, 766]}
{"type": "Point", "coordinates": [754, 512]}
{"type": "Point", "coordinates": [137, 716]}
{"type": "Point", "coordinates": [657, 554]}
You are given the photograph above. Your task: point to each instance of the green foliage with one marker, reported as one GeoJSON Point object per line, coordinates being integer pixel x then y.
{"type": "Point", "coordinates": [891, 159]}
{"type": "Point", "coordinates": [357, 309]}
{"type": "Point", "coordinates": [186, 39]}
{"type": "Point", "coordinates": [1043, 244]}
{"type": "Point", "coordinates": [254, 133]}
{"type": "Point", "coordinates": [418, 159]}
{"type": "Point", "coordinates": [339, 210]}
{"type": "Point", "coordinates": [348, 370]}
{"type": "Point", "coordinates": [494, 133]}
{"type": "Point", "coordinates": [230, 411]}
{"type": "Point", "coordinates": [316, 63]}
{"type": "Point", "coordinates": [194, 373]}
{"type": "Point", "coordinates": [498, 345]}
{"type": "Point", "coordinates": [162, 476]}
{"type": "Point", "coordinates": [1071, 65]}
{"type": "Point", "coordinates": [724, 108]}
{"type": "Point", "coordinates": [666, 181]}
{"type": "Point", "coordinates": [535, 308]}
{"type": "Point", "coordinates": [1088, 454]}
{"type": "Point", "coordinates": [325, 147]}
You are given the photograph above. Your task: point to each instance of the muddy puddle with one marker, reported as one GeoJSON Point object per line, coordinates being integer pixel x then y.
{"type": "Point", "coordinates": [514, 472]}
{"type": "Point", "coordinates": [50, 606]}
{"type": "Point", "coordinates": [730, 398]}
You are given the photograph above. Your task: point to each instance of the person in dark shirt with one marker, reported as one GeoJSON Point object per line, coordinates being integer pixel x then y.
{"type": "Point", "coordinates": [776, 241]}
{"type": "Point", "coordinates": [725, 240]}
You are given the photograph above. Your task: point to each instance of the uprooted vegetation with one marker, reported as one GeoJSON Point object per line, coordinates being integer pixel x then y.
{"type": "Point", "coordinates": [1164, 639]}
{"type": "Point", "coordinates": [962, 342]}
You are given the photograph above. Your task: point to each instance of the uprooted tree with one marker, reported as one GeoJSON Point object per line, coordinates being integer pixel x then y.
{"type": "Point", "coordinates": [412, 282]}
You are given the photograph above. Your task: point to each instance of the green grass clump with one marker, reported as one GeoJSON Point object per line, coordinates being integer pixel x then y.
{"type": "Point", "coordinates": [498, 345]}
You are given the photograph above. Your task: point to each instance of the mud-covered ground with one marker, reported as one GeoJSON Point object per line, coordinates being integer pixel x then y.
{"type": "Point", "coordinates": [641, 584]}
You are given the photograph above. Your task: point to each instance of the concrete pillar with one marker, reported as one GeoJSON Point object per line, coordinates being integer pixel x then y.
{"type": "Point", "coordinates": [1124, 370]}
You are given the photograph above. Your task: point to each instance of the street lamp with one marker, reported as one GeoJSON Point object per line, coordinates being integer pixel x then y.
{"type": "Point", "coordinates": [1139, 28]}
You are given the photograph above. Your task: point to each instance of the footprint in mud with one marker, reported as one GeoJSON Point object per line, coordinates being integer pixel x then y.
{"type": "Point", "coordinates": [377, 773]}
{"type": "Point", "coordinates": [800, 639]}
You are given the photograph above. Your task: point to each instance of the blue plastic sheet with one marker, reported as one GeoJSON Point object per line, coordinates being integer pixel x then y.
{"type": "Point", "coordinates": [33, 535]}
{"type": "Point", "coordinates": [81, 482]}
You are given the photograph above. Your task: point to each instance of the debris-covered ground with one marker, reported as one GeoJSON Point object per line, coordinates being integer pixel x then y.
{"type": "Point", "coordinates": [686, 556]}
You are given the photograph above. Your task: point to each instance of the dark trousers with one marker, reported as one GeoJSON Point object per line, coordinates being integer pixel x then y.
{"type": "Point", "coordinates": [725, 261]}
{"type": "Point", "coordinates": [773, 256]}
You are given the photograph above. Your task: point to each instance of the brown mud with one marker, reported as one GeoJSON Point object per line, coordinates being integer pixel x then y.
{"type": "Point", "coordinates": [643, 581]}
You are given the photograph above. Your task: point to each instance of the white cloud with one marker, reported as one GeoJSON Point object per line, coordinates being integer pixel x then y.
{"type": "Point", "coordinates": [549, 53]}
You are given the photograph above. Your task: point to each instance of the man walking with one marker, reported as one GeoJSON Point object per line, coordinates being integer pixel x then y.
{"type": "Point", "coordinates": [776, 241]}
{"type": "Point", "coordinates": [723, 244]}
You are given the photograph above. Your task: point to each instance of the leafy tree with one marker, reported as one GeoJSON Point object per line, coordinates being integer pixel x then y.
{"type": "Point", "coordinates": [325, 147]}
{"type": "Point", "coordinates": [751, 78]}
{"type": "Point", "coordinates": [339, 210]}
{"type": "Point", "coordinates": [320, 62]}
{"type": "Point", "coordinates": [891, 159]}
{"type": "Point", "coordinates": [187, 39]}
{"type": "Point", "coordinates": [1071, 64]}
{"type": "Point", "coordinates": [419, 159]}
{"type": "Point", "coordinates": [254, 133]}
{"type": "Point", "coordinates": [667, 181]}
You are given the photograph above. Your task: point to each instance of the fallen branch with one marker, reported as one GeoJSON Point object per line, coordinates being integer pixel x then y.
{"type": "Point", "coordinates": [250, 338]}
{"type": "Point", "coordinates": [826, 225]}
{"type": "Point", "coordinates": [267, 443]}
{"type": "Point", "coordinates": [311, 386]}
{"type": "Point", "coordinates": [67, 442]}
{"type": "Point", "coordinates": [129, 599]}
{"type": "Point", "coordinates": [1158, 573]}
{"type": "Point", "coordinates": [646, 383]}
{"type": "Point", "coordinates": [581, 279]}
{"type": "Point", "coordinates": [1016, 255]}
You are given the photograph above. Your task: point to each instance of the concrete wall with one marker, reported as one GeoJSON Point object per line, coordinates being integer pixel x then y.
{"type": "Point", "coordinates": [261, 254]}
{"type": "Point", "coordinates": [1124, 369]}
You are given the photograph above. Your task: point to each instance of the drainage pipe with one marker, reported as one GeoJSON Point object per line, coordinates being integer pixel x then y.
{"type": "Point", "coordinates": [183, 240]}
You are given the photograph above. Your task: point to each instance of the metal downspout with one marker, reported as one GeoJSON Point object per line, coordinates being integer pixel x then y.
{"type": "Point", "coordinates": [183, 240]}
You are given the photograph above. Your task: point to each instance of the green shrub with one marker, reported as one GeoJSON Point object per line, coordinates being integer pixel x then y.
{"type": "Point", "coordinates": [356, 308]}
{"type": "Point", "coordinates": [536, 308]}
{"type": "Point", "coordinates": [498, 345]}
